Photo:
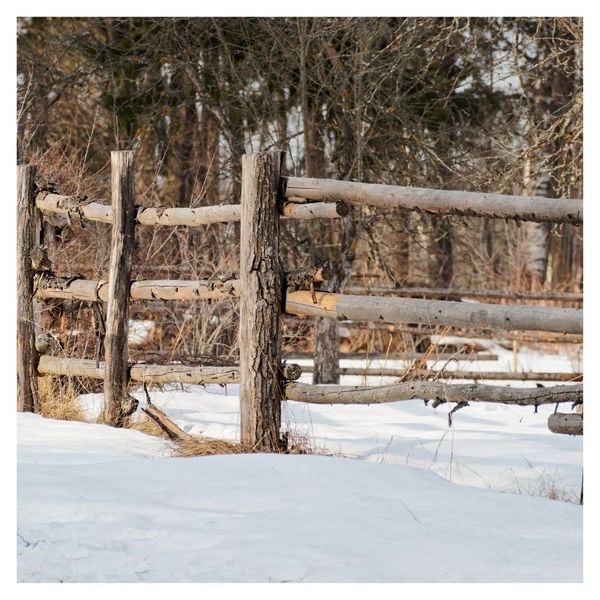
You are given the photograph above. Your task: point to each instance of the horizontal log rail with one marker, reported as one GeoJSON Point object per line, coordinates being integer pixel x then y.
{"type": "Point", "coordinates": [462, 355]}
{"type": "Point", "coordinates": [435, 312]}
{"type": "Point", "coordinates": [336, 306]}
{"type": "Point", "coordinates": [77, 208]}
{"type": "Point", "coordinates": [68, 288]}
{"type": "Point", "coordinates": [444, 374]}
{"type": "Point", "coordinates": [475, 332]}
{"type": "Point", "coordinates": [143, 373]}
{"type": "Point", "coordinates": [432, 390]}
{"type": "Point", "coordinates": [464, 293]}
{"type": "Point", "coordinates": [468, 204]}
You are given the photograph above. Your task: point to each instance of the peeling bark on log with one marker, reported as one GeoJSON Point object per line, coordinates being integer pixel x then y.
{"type": "Point", "coordinates": [160, 289]}
{"type": "Point", "coordinates": [262, 280]}
{"type": "Point", "coordinates": [116, 379]}
{"type": "Point", "coordinates": [432, 390]}
{"type": "Point", "coordinates": [27, 355]}
{"type": "Point", "coordinates": [435, 312]}
{"type": "Point", "coordinates": [468, 204]}
{"type": "Point", "coordinates": [569, 423]}
{"type": "Point", "coordinates": [77, 209]}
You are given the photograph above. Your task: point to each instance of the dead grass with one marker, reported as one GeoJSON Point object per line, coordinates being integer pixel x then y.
{"type": "Point", "coordinates": [59, 400]}
{"type": "Point", "coordinates": [201, 446]}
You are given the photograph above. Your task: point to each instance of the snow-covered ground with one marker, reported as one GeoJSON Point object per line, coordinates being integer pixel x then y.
{"type": "Point", "coordinates": [98, 504]}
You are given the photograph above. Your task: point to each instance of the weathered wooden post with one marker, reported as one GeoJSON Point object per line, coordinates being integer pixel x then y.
{"type": "Point", "coordinates": [261, 298]}
{"type": "Point", "coordinates": [117, 404]}
{"type": "Point", "coordinates": [27, 355]}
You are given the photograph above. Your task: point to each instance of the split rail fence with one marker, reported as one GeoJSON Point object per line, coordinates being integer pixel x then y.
{"type": "Point", "coordinates": [266, 291]}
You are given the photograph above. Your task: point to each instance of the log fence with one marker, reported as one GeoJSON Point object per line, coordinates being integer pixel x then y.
{"type": "Point", "coordinates": [267, 292]}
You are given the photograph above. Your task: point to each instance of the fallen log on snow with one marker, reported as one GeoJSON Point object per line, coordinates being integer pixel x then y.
{"type": "Point", "coordinates": [434, 312]}
{"type": "Point", "coordinates": [432, 390]}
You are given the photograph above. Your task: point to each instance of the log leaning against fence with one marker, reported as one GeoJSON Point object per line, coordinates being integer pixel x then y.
{"type": "Point", "coordinates": [433, 390]}
{"type": "Point", "coordinates": [435, 312]}
{"type": "Point", "coordinates": [27, 355]}
{"type": "Point", "coordinates": [446, 202]}
{"type": "Point", "coordinates": [262, 279]}
{"type": "Point", "coordinates": [116, 379]}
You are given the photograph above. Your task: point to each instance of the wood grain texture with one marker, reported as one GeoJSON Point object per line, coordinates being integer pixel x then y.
{"type": "Point", "coordinates": [262, 279]}
{"type": "Point", "coordinates": [432, 390]}
{"type": "Point", "coordinates": [116, 379]}
{"type": "Point", "coordinates": [436, 312]}
{"type": "Point", "coordinates": [469, 204]}
{"type": "Point", "coordinates": [27, 355]}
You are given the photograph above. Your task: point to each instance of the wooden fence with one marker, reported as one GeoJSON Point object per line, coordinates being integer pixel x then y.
{"type": "Point", "coordinates": [265, 293]}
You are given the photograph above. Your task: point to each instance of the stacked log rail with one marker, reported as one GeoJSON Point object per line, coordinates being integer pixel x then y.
{"type": "Point", "coordinates": [342, 306]}
{"type": "Point", "coordinates": [78, 208]}
{"type": "Point", "coordinates": [444, 202]}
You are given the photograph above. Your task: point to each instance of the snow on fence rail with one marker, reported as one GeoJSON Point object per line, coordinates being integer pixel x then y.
{"type": "Point", "coordinates": [264, 381]}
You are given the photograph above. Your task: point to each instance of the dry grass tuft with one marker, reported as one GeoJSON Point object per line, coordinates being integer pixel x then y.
{"type": "Point", "coordinates": [59, 400]}
{"type": "Point", "coordinates": [200, 446]}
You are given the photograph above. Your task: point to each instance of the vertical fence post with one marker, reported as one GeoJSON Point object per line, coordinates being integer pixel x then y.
{"type": "Point", "coordinates": [261, 280]}
{"type": "Point", "coordinates": [27, 355]}
{"type": "Point", "coordinates": [116, 376]}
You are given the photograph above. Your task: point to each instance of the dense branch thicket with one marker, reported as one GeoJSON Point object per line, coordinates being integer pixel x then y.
{"type": "Point", "coordinates": [477, 104]}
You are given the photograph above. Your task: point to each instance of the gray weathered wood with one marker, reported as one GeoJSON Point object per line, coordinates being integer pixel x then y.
{"type": "Point", "coordinates": [145, 373]}
{"type": "Point", "coordinates": [464, 293]}
{"type": "Point", "coordinates": [27, 355]}
{"type": "Point", "coordinates": [461, 332]}
{"type": "Point", "coordinates": [432, 390]}
{"type": "Point", "coordinates": [261, 278]}
{"type": "Point", "coordinates": [116, 378]}
{"type": "Point", "coordinates": [461, 355]}
{"type": "Point", "coordinates": [445, 374]}
{"type": "Point", "coordinates": [435, 312]}
{"type": "Point", "coordinates": [474, 204]}
{"type": "Point", "coordinates": [76, 208]}
{"type": "Point", "coordinates": [569, 423]}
